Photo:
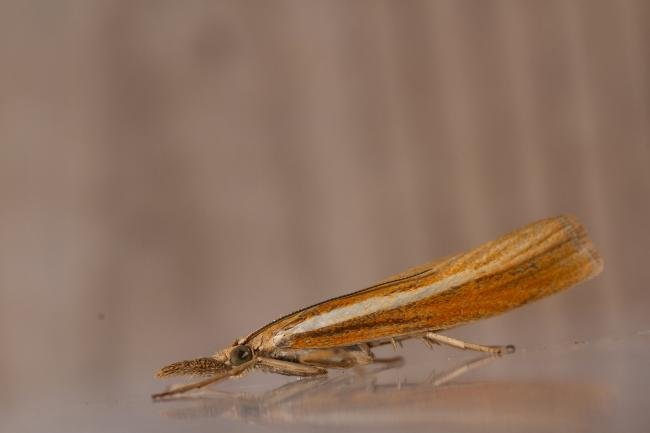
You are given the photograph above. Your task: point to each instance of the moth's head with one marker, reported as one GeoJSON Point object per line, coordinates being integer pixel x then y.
{"type": "Point", "coordinates": [231, 361]}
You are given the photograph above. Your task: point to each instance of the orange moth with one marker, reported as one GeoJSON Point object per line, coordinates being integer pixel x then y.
{"type": "Point", "coordinates": [527, 264]}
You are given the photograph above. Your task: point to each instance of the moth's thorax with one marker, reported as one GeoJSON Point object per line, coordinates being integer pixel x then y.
{"type": "Point", "coordinates": [261, 343]}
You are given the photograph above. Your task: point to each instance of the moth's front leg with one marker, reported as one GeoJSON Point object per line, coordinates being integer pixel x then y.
{"type": "Point", "coordinates": [288, 368]}
{"type": "Point", "coordinates": [337, 357]}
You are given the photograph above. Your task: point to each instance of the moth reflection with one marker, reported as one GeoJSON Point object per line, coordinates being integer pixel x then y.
{"type": "Point", "coordinates": [360, 400]}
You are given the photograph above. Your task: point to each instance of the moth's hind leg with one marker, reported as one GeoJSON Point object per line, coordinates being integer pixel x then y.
{"type": "Point", "coordinates": [459, 344]}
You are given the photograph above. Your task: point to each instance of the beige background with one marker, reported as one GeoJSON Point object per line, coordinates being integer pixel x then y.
{"type": "Point", "coordinates": [176, 174]}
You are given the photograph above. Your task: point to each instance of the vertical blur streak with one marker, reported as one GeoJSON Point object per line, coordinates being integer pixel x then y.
{"type": "Point", "coordinates": [517, 37]}
{"type": "Point", "coordinates": [451, 34]}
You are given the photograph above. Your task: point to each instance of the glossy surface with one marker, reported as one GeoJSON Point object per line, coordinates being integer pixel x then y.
{"type": "Point", "coordinates": [581, 386]}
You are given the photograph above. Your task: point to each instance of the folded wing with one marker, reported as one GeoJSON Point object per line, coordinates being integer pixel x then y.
{"type": "Point", "coordinates": [528, 264]}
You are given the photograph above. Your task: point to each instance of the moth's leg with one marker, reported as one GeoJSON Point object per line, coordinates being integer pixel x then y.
{"type": "Point", "coordinates": [395, 341]}
{"type": "Point", "coordinates": [184, 388]}
{"type": "Point", "coordinates": [442, 339]}
{"type": "Point", "coordinates": [338, 357]}
{"type": "Point", "coordinates": [288, 368]}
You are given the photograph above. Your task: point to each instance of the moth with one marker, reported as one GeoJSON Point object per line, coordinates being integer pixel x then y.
{"type": "Point", "coordinates": [525, 265]}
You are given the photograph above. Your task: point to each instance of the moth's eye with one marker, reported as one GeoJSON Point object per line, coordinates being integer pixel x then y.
{"type": "Point", "coordinates": [240, 355]}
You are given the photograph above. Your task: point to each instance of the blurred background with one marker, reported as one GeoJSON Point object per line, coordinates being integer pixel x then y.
{"type": "Point", "coordinates": [176, 174]}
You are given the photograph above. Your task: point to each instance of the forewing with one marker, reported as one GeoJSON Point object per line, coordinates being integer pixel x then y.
{"type": "Point", "coordinates": [527, 264]}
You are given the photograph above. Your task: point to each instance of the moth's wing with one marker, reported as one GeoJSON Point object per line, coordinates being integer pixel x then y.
{"type": "Point", "coordinates": [527, 264]}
